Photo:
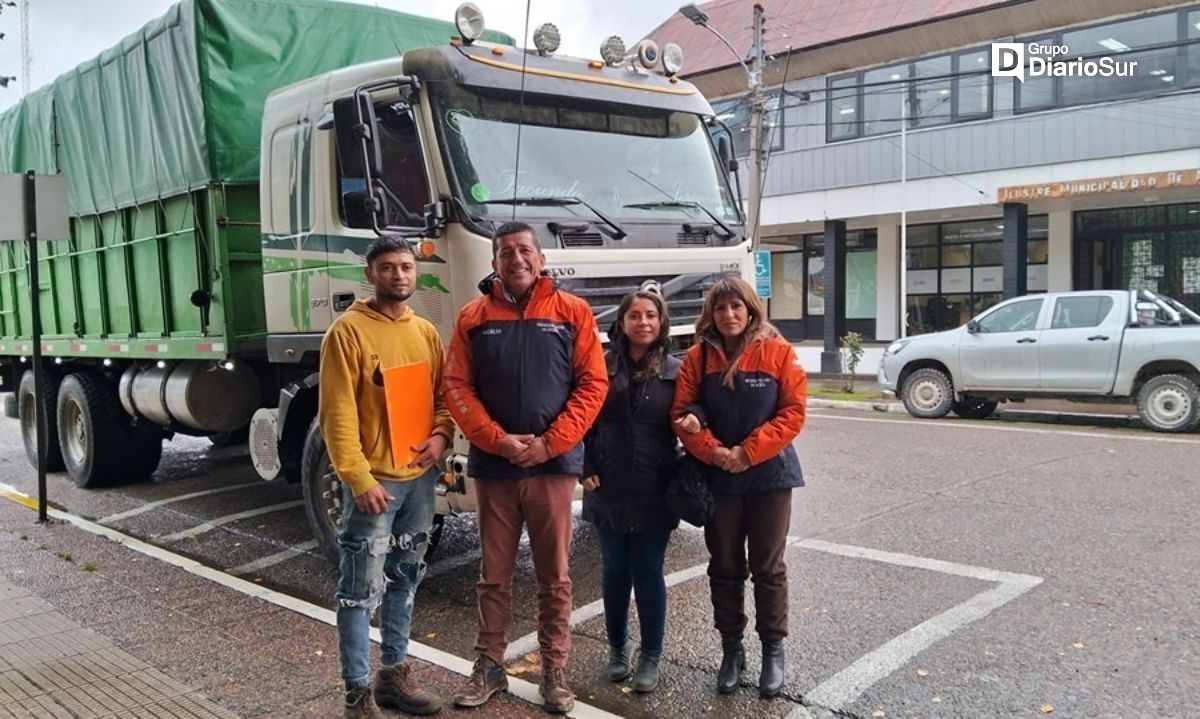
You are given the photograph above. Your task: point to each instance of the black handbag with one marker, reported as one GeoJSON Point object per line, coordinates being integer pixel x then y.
{"type": "Point", "coordinates": [688, 495]}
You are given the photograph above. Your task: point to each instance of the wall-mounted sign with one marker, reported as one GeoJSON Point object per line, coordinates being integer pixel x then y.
{"type": "Point", "coordinates": [1100, 186]}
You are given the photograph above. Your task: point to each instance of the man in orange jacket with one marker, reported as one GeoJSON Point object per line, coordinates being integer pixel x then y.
{"type": "Point", "coordinates": [525, 379]}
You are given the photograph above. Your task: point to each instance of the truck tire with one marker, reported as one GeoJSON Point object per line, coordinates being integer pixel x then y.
{"type": "Point", "coordinates": [1169, 403]}
{"type": "Point", "coordinates": [100, 446]}
{"type": "Point", "coordinates": [927, 393]}
{"type": "Point", "coordinates": [26, 396]}
{"type": "Point", "coordinates": [322, 493]}
{"type": "Point", "coordinates": [972, 408]}
{"type": "Point", "coordinates": [323, 498]}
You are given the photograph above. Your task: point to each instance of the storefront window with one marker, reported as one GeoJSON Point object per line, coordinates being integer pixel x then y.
{"type": "Point", "coordinates": [787, 286]}
{"type": "Point", "coordinates": [956, 270]}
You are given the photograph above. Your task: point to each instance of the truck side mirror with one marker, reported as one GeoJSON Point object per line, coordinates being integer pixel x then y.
{"type": "Point", "coordinates": [435, 219]}
{"type": "Point", "coordinates": [725, 152]}
{"type": "Point", "coordinates": [973, 327]}
{"type": "Point", "coordinates": [355, 128]}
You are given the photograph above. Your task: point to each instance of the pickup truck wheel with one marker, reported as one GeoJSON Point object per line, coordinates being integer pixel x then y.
{"type": "Point", "coordinates": [927, 393]}
{"type": "Point", "coordinates": [322, 493]}
{"type": "Point", "coordinates": [323, 498]}
{"type": "Point", "coordinates": [972, 408]}
{"type": "Point", "coordinates": [1169, 403]}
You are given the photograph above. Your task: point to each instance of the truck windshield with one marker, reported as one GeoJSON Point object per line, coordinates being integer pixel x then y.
{"type": "Point", "coordinates": [637, 164]}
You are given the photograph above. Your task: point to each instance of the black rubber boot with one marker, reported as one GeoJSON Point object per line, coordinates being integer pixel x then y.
{"type": "Point", "coordinates": [774, 667]}
{"type": "Point", "coordinates": [733, 663]}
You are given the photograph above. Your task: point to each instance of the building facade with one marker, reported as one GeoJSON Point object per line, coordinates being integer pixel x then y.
{"type": "Point", "coordinates": [912, 180]}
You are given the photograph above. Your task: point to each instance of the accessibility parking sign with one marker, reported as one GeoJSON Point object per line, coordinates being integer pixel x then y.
{"type": "Point", "coordinates": [762, 274]}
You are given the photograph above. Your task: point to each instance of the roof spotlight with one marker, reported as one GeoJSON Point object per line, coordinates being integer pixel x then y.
{"type": "Point", "coordinates": [612, 51]}
{"type": "Point", "coordinates": [468, 19]}
{"type": "Point", "coordinates": [672, 58]}
{"type": "Point", "coordinates": [546, 38]}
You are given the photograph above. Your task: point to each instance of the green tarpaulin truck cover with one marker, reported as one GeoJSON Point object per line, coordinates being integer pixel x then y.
{"type": "Point", "coordinates": [178, 104]}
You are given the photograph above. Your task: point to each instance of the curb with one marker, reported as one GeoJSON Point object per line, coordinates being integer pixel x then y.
{"type": "Point", "coordinates": [1007, 415]}
{"type": "Point", "coordinates": [884, 407]}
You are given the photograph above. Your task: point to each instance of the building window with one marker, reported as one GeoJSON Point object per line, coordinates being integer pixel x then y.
{"type": "Point", "coordinates": [972, 89]}
{"type": "Point", "coordinates": [736, 114]}
{"type": "Point", "coordinates": [929, 97]}
{"type": "Point", "coordinates": [881, 97]}
{"type": "Point", "coordinates": [1192, 33]}
{"type": "Point", "coordinates": [1157, 43]}
{"type": "Point", "coordinates": [842, 116]}
{"type": "Point", "coordinates": [955, 270]}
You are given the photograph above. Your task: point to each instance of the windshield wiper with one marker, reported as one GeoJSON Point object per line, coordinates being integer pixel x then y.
{"type": "Point", "coordinates": [729, 233]}
{"type": "Point", "coordinates": [565, 201]}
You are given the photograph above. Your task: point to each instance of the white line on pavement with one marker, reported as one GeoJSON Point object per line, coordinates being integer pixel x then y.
{"type": "Point", "coordinates": [273, 559]}
{"type": "Point", "coordinates": [227, 519]}
{"type": "Point", "coordinates": [991, 426]}
{"type": "Point", "coordinates": [517, 687]}
{"type": "Point", "coordinates": [529, 642]}
{"type": "Point", "coordinates": [847, 685]}
{"type": "Point", "coordinates": [160, 502]}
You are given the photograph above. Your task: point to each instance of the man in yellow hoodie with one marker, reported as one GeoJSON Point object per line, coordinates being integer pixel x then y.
{"type": "Point", "coordinates": [387, 509]}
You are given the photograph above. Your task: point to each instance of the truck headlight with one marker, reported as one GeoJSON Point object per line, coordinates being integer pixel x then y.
{"type": "Point", "coordinates": [895, 347]}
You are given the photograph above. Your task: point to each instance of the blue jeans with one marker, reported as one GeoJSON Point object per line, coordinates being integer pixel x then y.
{"type": "Point", "coordinates": [383, 560]}
{"type": "Point", "coordinates": [635, 561]}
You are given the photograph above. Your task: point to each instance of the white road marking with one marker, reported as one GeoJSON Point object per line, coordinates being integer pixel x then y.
{"type": "Point", "coordinates": [991, 426]}
{"type": "Point", "coordinates": [169, 500]}
{"type": "Point", "coordinates": [847, 685]}
{"type": "Point", "coordinates": [273, 559]}
{"type": "Point", "coordinates": [517, 687]}
{"type": "Point", "coordinates": [529, 642]}
{"type": "Point", "coordinates": [227, 519]}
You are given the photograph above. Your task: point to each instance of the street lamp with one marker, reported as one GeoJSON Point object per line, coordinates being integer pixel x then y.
{"type": "Point", "coordinates": [754, 79]}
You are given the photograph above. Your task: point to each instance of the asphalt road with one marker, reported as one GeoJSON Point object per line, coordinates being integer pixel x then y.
{"type": "Point", "coordinates": [938, 569]}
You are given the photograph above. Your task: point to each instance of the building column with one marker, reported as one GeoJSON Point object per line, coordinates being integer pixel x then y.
{"type": "Point", "coordinates": [889, 308]}
{"type": "Point", "coordinates": [1016, 249]}
{"type": "Point", "coordinates": [835, 295]}
{"type": "Point", "coordinates": [1060, 272]}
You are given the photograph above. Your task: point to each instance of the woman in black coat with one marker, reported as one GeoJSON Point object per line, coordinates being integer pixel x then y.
{"type": "Point", "coordinates": [630, 454]}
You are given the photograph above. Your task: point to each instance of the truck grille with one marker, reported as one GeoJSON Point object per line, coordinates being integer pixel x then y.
{"type": "Point", "coordinates": [684, 294]}
{"type": "Point", "coordinates": [581, 239]}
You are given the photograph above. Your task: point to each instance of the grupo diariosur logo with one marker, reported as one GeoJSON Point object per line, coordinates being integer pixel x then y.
{"type": "Point", "coordinates": [1021, 60]}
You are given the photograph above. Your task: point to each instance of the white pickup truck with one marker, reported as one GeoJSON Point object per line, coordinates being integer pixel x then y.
{"type": "Point", "coordinates": [1106, 346]}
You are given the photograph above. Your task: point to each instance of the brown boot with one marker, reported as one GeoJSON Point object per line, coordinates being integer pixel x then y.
{"type": "Point", "coordinates": [556, 693]}
{"type": "Point", "coordinates": [487, 678]}
{"type": "Point", "coordinates": [395, 688]}
{"type": "Point", "coordinates": [360, 705]}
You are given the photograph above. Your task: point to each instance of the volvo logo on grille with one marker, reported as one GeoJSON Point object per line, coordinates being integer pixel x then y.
{"type": "Point", "coordinates": [561, 271]}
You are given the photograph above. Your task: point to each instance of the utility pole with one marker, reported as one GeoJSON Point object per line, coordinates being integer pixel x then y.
{"type": "Point", "coordinates": [26, 50]}
{"type": "Point", "coordinates": [757, 108]}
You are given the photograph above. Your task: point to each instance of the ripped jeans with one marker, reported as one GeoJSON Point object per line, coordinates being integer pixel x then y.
{"type": "Point", "coordinates": [383, 561]}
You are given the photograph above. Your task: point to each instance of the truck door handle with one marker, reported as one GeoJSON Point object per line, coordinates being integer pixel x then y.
{"type": "Point", "coordinates": [1026, 341]}
{"type": "Point", "coordinates": [1101, 338]}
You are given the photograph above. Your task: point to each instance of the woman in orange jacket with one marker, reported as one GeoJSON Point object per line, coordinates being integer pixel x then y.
{"type": "Point", "coordinates": [753, 389]}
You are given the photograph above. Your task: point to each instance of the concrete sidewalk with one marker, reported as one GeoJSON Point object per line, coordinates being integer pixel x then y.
{"type": "Point", "coordinates": [1034, 410]}
{"type": "Point", "coordinates": [92, 629]}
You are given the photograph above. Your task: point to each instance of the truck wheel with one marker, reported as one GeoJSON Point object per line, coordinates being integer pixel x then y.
{"type": "Point", "coordinates": [972, 408]}
{"type": "Point", "coordinates": [1169, 403]}
{"type": "Point", "coordinates": [322, 492]}
{"type": "Point", "coordinates": [927, 393]}
{"type": "Point", "coordinates": [323, 498]}
{"type": "Point", "coordinates": [26, 397]}
{"type": "Point", "coordinates": [100, 447]}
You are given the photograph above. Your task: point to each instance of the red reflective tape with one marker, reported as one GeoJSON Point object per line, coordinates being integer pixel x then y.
{"type": "Point", "coordinates": [204, 347]}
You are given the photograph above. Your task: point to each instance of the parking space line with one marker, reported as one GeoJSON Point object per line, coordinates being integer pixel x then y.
{"type": "Point", "coordinates": [519, 688]}
{"type": "Point", "coordinates": [529, 642]}
{"type": "Point", "coordinates": [160, 502]}
{"type": "Point", "coordinates": [992, 426]}
{"type": "Point", "coordinates": [848, 684]}
{"type": "Point", "coordinates": [273, 559]}
{"type": "Point", "coordinates": [212, 524]}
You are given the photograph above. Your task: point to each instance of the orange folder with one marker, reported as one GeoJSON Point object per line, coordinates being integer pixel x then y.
{"type": "Point", "coordinates": [409, 392]}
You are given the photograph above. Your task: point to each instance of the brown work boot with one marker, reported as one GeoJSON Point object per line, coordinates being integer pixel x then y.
{"type": "Point", "coordinates": [556, 693]}
{"type": "Point", "coordinates": [487, 678]}
{"type": "Point", "coordinates": [395, 688]}
{"type": "Point", "coordinates": [360, 705]}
